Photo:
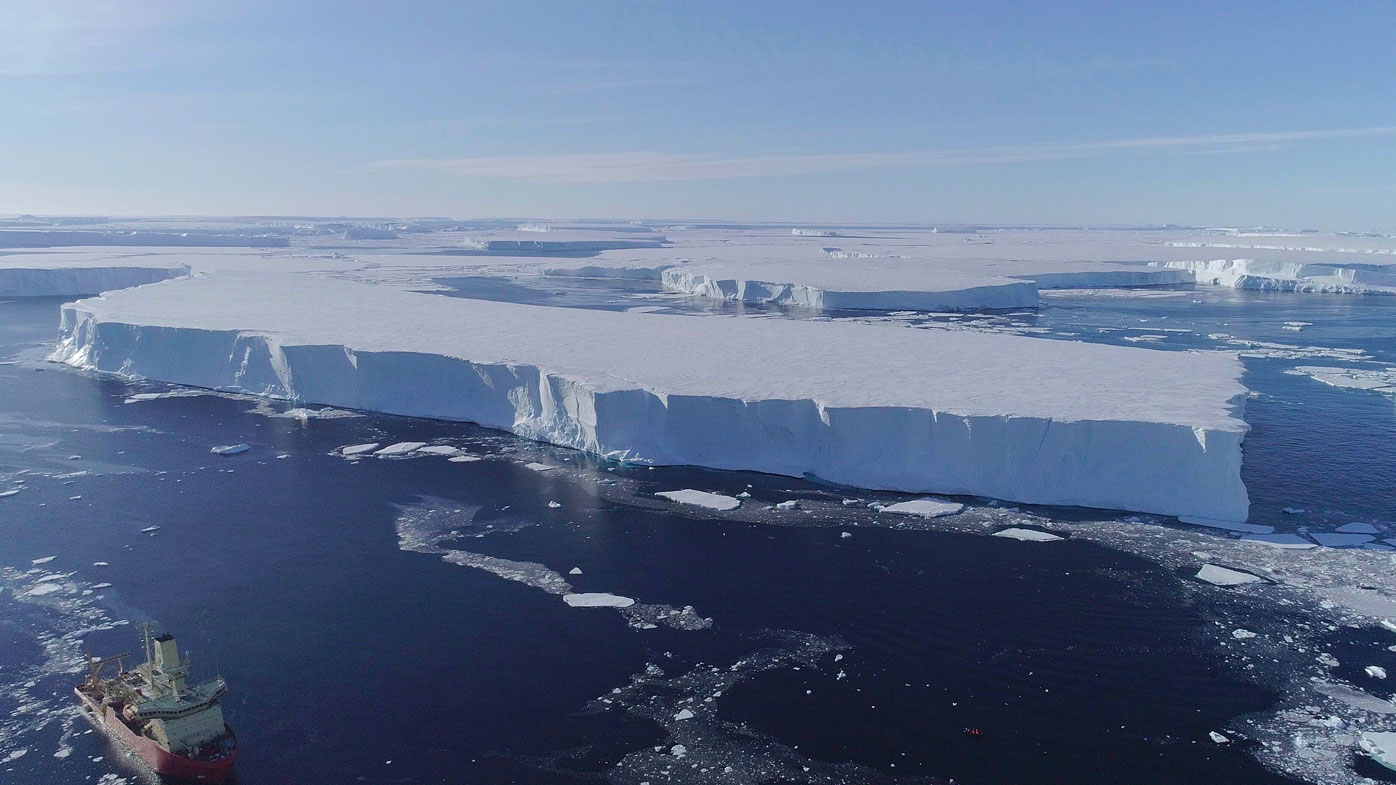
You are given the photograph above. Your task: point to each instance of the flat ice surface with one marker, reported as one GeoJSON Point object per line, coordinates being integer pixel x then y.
{"type": "Point", "coordinates": [1004, 416]}
{"type": "Point", "coordinates": [1221, 576]}
{"type": "Point", "coordinates": [597, 600]}
{"type": "Point", "coordinates": [1381, 747]}
{"type": "Point", "coordinates": [1339, 540]}
{"type": "Point", "coordinates": [1027, 535]}
{"type": "Point", "coordinates": [713, 501]}
{"type": "Point", "coordinates": [926, 508]}
{"type": "Point", "coordinates": [401, 448]}
{"type": "Point", "coordinates": [54, 275]}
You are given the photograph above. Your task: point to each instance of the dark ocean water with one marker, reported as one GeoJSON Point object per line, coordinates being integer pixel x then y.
{"type": "Point", "coordinates": [829, 659]}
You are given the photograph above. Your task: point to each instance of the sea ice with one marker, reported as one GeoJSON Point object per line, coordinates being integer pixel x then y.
{"type": "Point", "coordinates": [792, 504]}
{"type": "Point", "coordinates": [463, 458]}
{"type": "Point", "coordinates": [1358, 527]}
{"type": "Point", "coordinates": [358, 449]}
{"type": "Point", "coordinates": [1381, 747]}
{"type": "Point", "coordinates": [1334, 540]}
{"type": "Point", "coordinates": [575, 571]}
{"type": "Point", "coordinates": [1292, 541]}
{"type": "Point", "coordinates": [926, 508]}
{"type": "Point", "coordinates": [712, 501]}
{"type": "Point", "coordinates": [1241, 634]}
{"type": "Point", "coordinates": [1375, 671]}
{"type": "Point", "coordinates": [597, 600]}
{"type": "Point", "coordinates": [1221, 576]}
{"type": "Point", "coordinates": [1028, 535]}
{"type": "Point", "coordinates": [10, 492]}
{"type": "Point", "coordinates": [438, 449]}
{"type": "Point", "coordinates": [1231, 526]}
{"type": "Point", "coordinates": [149, 529]}
{"type": "Point", "coordinates": [44, 560]}
{"type": "Point", "coordinates": [401, 448]}
{"type": "Point", "coordinates": [539, 467]}
{"type": "Point", "coordinates": [231, 449]}
{"type": "Point", "coordinates": [1217, 737]}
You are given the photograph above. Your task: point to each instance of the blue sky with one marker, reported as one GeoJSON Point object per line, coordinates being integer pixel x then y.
{"type": "Point", "coordinates": [1221, 113]}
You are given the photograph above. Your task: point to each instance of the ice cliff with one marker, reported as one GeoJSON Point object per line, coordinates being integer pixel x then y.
{"type": "Point", "coordinates": [72, 280]}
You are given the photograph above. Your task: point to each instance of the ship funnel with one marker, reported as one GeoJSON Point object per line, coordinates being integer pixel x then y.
{"type": "Point", "coordinates": [166, 655]}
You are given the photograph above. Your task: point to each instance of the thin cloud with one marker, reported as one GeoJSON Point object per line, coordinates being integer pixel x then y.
{"type": "Point", "coordinates": [641, 167]}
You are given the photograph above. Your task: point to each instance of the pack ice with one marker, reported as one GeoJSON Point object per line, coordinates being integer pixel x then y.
{"type": "Point", "coordinates": [1008, 417]}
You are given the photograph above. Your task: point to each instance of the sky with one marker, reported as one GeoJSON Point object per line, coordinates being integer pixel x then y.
{"type": "Point", "coordinates": [1236, 114]}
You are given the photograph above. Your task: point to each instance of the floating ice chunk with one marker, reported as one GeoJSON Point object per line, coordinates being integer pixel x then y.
{"type": "Point", "coordinates": [1221, 576]}
{"type": "Point", "coordinates": [1380, 747]}
{"type": "Point", "coordinates": [597, 600]}
{"type": "Point", "coordinates": [358, 449]}
{"type": "Point", "coordinates": [401, 448]}
{"type": "Point", "coordinates": [10, 492]}
{"type": "Point", "coordinates": [1231, 526]}
{"type": "Point", "coordinates": [539, 467]}
{"type": "Point", "coordinates": [1292, 511]}
{"type": "Point", "coordinates": [684, 715]}
{"type": "Point", "coordinates": [1292, 541]}
{"type": "Point", "coordinates": [1027, 535]}
{"type": "Point", "coordinates": [439, 449]}
{"type": "Point", "coordinates": [101, 564]}
{"type": "Point", "coordinates": [575, 571]}
{"type": "Point", "coordinates": [1356, 698]}
{"type": "Point", "coordinates": [44, 560]}
{"type": "Point", "coordinates": [101, 586]}
{"type": "Point", "coordinates": [678, 750]}
{"type": "Point", "coordinates": [926, 508]}
{"type": "Point", "coordinates": [792, 504]}
{"type": "Point", "coordinates": [1332, 540]}
{"type": "Point", "coordinates": [1241, 634]}
{"type": "Point", "coordinates": [1218, 738]}
{"type": "Point", "coordinates": [463, 458]}
{"type": "Point", "coordinates": [230, 449]}
{"type": "Point", "coordinates": [852, 502]}
{"type": "Point", "coordinates": [149, 529]}
{"type": "Point", "coordinates": [554, 505]}
{"type": "Point", "coordinates": [1389, 624]}
{"type": "Point", "coordinates": [845, 535]}
{"type": "Point", "coordinates": [14, 756]}
{"type": "Point", "coordinates": [712, 501]}
{"type": "Point", "coordinates": [47, 587]}
{"type": "Point", "coordinates": [1375, 671]}
{"type": "Point", "coordinates": [1358, 527]}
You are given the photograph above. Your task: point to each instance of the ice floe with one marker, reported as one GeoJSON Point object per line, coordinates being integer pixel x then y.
{"type": "Point", "coordinates": [358, 449]}
{"type": "Point", "coordinates": [1027, 535]}
{"type": "Point", "coordinates": [230, 449]}
{"type": "Point", "coordinates": [1380, 747]}
{"type": "Point", "coordinates": [711, 501]}
{"type": "Point", "coordinates": [597, 600]}
{"type": "Point", "coordinates": [1222, 576]}
{"type": "Point", "coordinates": [1382, 381]}
{"type": "Point", "coordinates": [400, 448]}
{"type": "Point", "coordinates": [926, 508]}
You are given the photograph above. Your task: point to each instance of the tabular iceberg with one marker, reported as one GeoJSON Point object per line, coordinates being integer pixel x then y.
{"type": "Point", "coordinates": [71, 279]}
{"type": "Point", "coordinates": [1024, 419]}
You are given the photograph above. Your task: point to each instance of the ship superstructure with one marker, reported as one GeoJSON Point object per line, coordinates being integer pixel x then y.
{"type": "Point", "coordinates": [176, 728]}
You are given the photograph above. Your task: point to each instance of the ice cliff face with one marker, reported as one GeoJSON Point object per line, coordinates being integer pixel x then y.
{"type": "Point", "coordinates": [79, 280]}
{"type": "Point", "coordinates": [1022, 419]}
{"type": "Point", "coordinates": [954, 292]}
{"type": "Point", "coordinates": [1292, 276]}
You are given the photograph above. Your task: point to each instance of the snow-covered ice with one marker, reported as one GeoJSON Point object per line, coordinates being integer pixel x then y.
{"type": "Point", "coordinates": [1382, 381]}
{"type": "Point", "coordinates": [1380, 747]}
{"type": "Point", "coordinates": [230, 449]}
{"type": "Point", "coordinates": [63, 276]}
{"type": "Point", "coordinates": [712, 501]}
{"type": "Point", "coordinates": [926, 508]}
{"type": "Point", "coordinates": [1337, 540]}
{"type": "Point", "coordinates": [1222, 576]}
{"type": "Point", "coordinates": [358, 449]}
{"type": "Point", "coordinates": [597, 600]}
{"type": "Point", "coordinates": [400, 448]}
{"type": "Point", "coordinates": [1375, 671]}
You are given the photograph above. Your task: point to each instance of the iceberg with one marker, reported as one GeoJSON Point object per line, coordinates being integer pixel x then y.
{"type": "Point", "coordinates": [1289, 276]}
{"type": "Point", "coordinates": [926, 508]}
{"type": "Point", "coordinates": [1380, 747]}
{"type": "Point", "coordinates": [712, 501]}
{"type": "Point", "coordinates": [961, 413]}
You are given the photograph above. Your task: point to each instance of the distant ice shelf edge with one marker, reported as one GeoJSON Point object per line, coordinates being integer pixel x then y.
{"type": "Point", "coordinates": [1142, 466]}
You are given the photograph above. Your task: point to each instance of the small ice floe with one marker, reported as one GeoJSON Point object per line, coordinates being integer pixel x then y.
{"type": "Point", "coordinates": [44, 560]}
{"type": "Point", "coordinates": [1027, 535]}
{"type": "Point", "coordinates": [283, 456]}
{"type": "Point", "coordinates": [1295, 326]}
{"type": "Point", "coordinates": [539, 467]}
{"type": "Point", "coordinates": [1221, 576]}
{"type": "Point", "coordinates": [463, 458]}
{"type": "Point", "coordinates": [101, 586]}
{"type": "Point", "coordinates": [1380, 747]}
{"type": "Point", "coordinates": [554, 505]}
{"type": "Point", "coordinates": [230, 449]}
{"type": "Point", "coordinates": [1292, 511]}
{"type": "Point", "coordinates": [10, 492]}
{"type": "Point", "coordinates": [1382, 381]}
{"type": "Point", "coordinates": [358, 449]}
{"type": "Point", "coordinates": [41, 589]}
{"type": "Point", "coordinates": [926, 508]}
{"type": "Point", "coordinates": [1356, 698]}
{"type": "Point", "coordinates": [1147, 338]}
{"type": "Point", "coordinates": [1218, 738]}
{"type": "Point", "coordinates": [1231, 526]}
{"type": "Point", "coordinates": [852, 502]}
{"type": "Point", "coordinates": [597, 599]}
{"type": "Point", "coordinates": [683, 715]}
{"type": "Point", "coordinates": [1335, 540]}
{"type": "Point", "coordinates": [678, 750]}
{"type": "Point", "coordinates": [845, 535]}
{"type": "Point", "coordinates": [101, 564]}
{"type": "Point", "coordinates": [575, 571]}
{"type": "Point", "coordinates": [1292, 541]}
{"type": "Point", "coordinates": [1242, 634]}
{"type": "Point", "coordinates": [711, 501]}
{"type": "Point", "coordinates": [792, 504]}
{"type": "Point", "coordinates": [1375, 671]}
{"type": "Point", "coordinates": [401, 448]}
{"type": "Point", "coordinates": [744, 495]}
{"type": "Point", "coordinates": [14, 756]}
{"type": "Point", "coordinates": [439, 449]}
{"type": "Point", "coordinates": [150, 529]}
{"type": "Point", "coordinates": [1358, 527]}
{"type": "Point", "coordinates": [1389, 624]}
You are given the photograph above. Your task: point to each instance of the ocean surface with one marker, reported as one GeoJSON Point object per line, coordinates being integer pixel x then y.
{"type": "Point", "coordinates": [400, 620]}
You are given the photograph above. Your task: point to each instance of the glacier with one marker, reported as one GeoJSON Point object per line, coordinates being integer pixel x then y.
{"type": "Point", "coordinates": [1001, 416]}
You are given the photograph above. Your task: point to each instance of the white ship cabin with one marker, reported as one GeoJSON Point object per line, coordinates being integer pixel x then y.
{"type": "Point", "coordinates": [181, 718]}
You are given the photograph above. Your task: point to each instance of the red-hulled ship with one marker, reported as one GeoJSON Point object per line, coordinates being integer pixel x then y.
{"type": "Point", "coordinates": [177, 730]}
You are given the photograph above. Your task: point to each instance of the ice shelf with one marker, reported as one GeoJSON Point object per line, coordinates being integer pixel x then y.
{"type": "Point", "coordinates": [1008, 417]}
{"type": "Point", "coordinates": [66, 278]}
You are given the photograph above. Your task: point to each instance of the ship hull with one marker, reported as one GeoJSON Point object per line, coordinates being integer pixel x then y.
{"type": "Point", "coordinates": [159, 759]}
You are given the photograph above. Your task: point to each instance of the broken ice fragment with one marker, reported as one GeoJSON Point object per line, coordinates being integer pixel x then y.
{"type": "Point", "coordinates": [712, 501]}
{"type": "Point", "coordinates": [1218, 738]}
{"type": "Point", "coordinates": [597, 600]}
{"type": "Point", "coordinates": [1375, 671]}
{"type": "Point", "coordinates": [1027, 535]}
{"type": "Point", "coordinates": [358, 449]}
{"type": "Point", "coordinates": [230, 449]}
{"type": "Point", "coordinates": [926, 508]}
{"type": "Point", "coordinates": [401, 448]}
{"type": "Point", "coordinates": [1221, 576]}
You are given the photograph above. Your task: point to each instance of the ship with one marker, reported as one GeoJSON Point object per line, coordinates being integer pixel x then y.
{"type": "Point", "coordinates": [174, 728]}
